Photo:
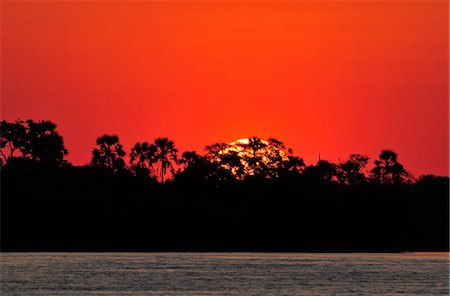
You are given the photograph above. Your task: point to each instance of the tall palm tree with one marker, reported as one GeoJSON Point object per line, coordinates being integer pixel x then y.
{"type": "Point", "coordinates": [165, 154]}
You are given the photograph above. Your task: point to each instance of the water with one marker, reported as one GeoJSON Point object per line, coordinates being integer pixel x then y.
{"type": "Point", "coordinates": [223, 274]}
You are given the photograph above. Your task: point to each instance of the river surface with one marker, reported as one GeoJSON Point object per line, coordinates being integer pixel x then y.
{"type": "Point", "coordinates": [223, 274]}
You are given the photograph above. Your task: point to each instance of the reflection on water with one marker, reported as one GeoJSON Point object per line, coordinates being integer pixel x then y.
{"type": "Point", "coordinates": [223, 274]}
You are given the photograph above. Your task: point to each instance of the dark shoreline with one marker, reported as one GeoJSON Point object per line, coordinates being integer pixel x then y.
{"type": "Point", "coordinates": [71, 208]}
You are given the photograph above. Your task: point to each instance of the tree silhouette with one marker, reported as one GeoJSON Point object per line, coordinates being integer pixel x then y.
{"type": "Point", "coordinates": [280, 161]}
{"type": "Point", "coordinates": [43, 143]}
{"type": "Point", "coordinates": [233, 162]}
{"type": "Point", "coordinates": [12, 139]}
{"type": "Point", "coordinates": [230, 158]}
{"type": "Point", "coordinates": [351, 172]}
{"type": "Point", "coordinates": [189, 159]}
{"type": "Point", "coordinates": [256, 157]}
{"type": "Point", "coordinates": [388, 170]}
{"type": "Point", "coordinates": [37, 141]}
{"type": "Point", "coordinates": [195, 169]}
{"type": "Point", "coordinates": [227, 164]}
{"type": "Point", "coordinates": [293, 165]}
{"type": "Point", "coordinates": [166, 155]}
{"type": "Point", "coordinates": [109, 153]}
{"type": "Point", "coordinates": [214, 151]}
{"type": "Point", "coordinates": [141, 158]}
{"type": "Point", "coordinates": [253, 157]}
{"type": "Point", "coordinates": [323, 171]}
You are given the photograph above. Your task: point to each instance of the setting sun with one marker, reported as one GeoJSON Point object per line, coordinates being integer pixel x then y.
{"type": "Point", "coordinates": [252, 156]}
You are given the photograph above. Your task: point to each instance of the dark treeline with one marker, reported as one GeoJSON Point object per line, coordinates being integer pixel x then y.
{"type": "Point", "coordinates": [251, 195]}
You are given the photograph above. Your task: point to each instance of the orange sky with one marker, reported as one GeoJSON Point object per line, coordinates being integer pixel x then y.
{"type": "Point", "coordinates": [334, 77]}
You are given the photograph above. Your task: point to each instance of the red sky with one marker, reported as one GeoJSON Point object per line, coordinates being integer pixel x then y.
{"type": "Point", "coordinates": [334, 77]}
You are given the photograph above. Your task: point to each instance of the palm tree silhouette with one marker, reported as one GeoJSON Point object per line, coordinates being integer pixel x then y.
{"type": "Point", "coordinates": [141, 158]}
{"type": "Point", "coordinates": [388, 170]}
{"type": "Point", "coordinates": [165, 154]}
{"type": "Point", "coordinates": [109, 153]}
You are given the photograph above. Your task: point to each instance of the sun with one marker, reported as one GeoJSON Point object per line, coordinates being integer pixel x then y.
{"type": "Point", "coordinates": [245, 141]}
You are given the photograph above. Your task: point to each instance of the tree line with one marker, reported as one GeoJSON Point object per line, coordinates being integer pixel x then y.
{"type": "Point", "coordinates": [39, 142]}
{"type": "Point", "coordinates": [249, 195]}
